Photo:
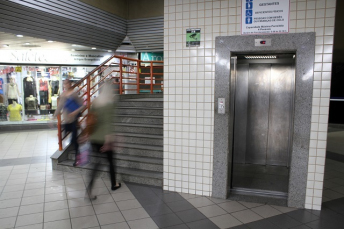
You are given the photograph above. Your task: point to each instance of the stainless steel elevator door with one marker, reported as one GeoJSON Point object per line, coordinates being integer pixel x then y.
{"type": "Point", "coordinates": [263, 113]}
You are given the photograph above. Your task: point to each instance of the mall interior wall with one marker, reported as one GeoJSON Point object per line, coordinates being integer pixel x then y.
{"type": "Point", "coordinates": [189, 75]}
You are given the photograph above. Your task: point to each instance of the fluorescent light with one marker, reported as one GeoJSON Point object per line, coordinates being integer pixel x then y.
{"type": "Point", "coordinates": [94, 48]}
{"type": "Point", "coordinates": [109, 50]}
{"type": "Point", "coordinates": [19, 35]}
{"type": "Point", "coordinates": [260, 57]}
{"type": "Point", "coordinates": [50, 41]}
{"type": "Point", "coordinates": [27, 43]}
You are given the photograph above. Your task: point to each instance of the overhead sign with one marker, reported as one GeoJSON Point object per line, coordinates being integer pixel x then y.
{"type": "Point", "coordinates": [264, 16]}
{"type": "Point", "coordinates": [193, 37]}
{"type": "Point", "coordinates": [53, 57]}
{"type": "Point", "coordinates": [152, 56]}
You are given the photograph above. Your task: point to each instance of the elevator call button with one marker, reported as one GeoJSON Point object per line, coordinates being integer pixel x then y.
{"type": "Point", "coordinates": [221, 106]}
{"type": "Point", "coordinates": [262, 42]}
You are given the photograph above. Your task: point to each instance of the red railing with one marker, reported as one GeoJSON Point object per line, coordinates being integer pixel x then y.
{"type": "Point", "coordinates": [131, 75]}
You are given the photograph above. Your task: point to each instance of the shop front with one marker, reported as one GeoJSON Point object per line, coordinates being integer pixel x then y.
{"type": "Point", "coordinates": [31, 81]}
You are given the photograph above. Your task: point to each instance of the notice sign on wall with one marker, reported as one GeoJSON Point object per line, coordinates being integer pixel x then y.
{"type": "Point", "coordinates": [193, 37]}
{"type": "Point", "coordinates": [264, 16]}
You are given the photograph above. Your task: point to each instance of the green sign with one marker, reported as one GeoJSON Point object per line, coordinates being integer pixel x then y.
{"type": "Point", "coordinates": [152, 56]}
{"type": "Point", "coordinates": [193, 37]}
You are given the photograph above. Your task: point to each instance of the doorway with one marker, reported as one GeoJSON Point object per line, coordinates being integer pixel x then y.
{"type": "Point", "coordinates": [263, 119]}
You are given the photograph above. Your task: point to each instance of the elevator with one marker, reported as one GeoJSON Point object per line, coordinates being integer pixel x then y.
{"type": "Point", "coordinates": [263, 103]}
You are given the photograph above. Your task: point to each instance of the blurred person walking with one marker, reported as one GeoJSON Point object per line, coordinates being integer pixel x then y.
{"type": "Point", "coordinates": [71, 106]}
{"type": "Point", "coordinates": [102, 133]}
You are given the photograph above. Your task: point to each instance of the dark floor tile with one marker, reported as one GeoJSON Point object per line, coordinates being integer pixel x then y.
{"type": "Point", "coordinates": [157, 209]}
{"type": "Point", "coordinates": [284, 221]}
{"type": "Point", "coordinates": [190, 215]}
{"type": "Point", "coordinates": [301, 227]}
{"type": "Point", "coordinates": [167, 220]}
{"type": "Point", "coordinates": [149, 201]}
{"type": "Point", "coordinates": [325, 224]}
{"type": "Point", "coordinates": [180, 226]}
{"type": "Point", "coordinates": [262, 224]}
{"type": "Point", "coordinates": [202, 224]}
{"type": "Point", "coordinates": [324, 213]}
{"type": "Point", "coordinates": [171, 197]}
{"type": "Point", "coordinates": [335, 205]}
{"type": "Point", "coordinates": [240, 227]}
{"type": "Point", "coordinates": [159, 191]}
{"type": "Point", "coordinates": [303, 216]}
{"type": "Point", "coordinates": [180, 205]}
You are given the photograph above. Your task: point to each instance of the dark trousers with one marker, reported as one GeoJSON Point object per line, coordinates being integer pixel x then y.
{"type": "Point", "coordinates": [96, 167]}
{"type": "Point", "coordinates": [73, 129]}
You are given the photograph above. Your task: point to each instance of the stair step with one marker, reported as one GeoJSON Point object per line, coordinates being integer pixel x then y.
{"type": "Point", "coordinates": [140, 111]}
{"type": "Point", "coordinates": [125, 174]}
{"type": "Point", "coordinates": [140, 119]}
{"type": "Point", "coordinates": [127, 161]}
{"type": "Point", "coordinates": [139, 125]}
{"type": "Point", "coordinates": [139, 128]}
{"type": "Point", "coordinates": [139, 96]}
{"type": "Point", "coordinates": [139, 146]}
{"type": "Point", "coordinates": [140, 135]}
{"type": "Point", "coordinates": [147, 102]}
{"type": "Point", "coordinates": [117, 156]}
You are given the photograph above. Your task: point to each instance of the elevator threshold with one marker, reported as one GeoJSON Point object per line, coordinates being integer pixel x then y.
{"type": "Point", "coordinates": [258, 192]}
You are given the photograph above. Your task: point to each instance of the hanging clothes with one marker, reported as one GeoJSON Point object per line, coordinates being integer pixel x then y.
{"type": "Point", "coordinates": [12, 91]}
{"type": "Point", "coordinates": [29, 87]}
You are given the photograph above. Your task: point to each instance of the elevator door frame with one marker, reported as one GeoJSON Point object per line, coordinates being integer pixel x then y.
{"type": "Point", "coordinates": [303, 44]}
{"type": "Point", "coordinates": [234, 80]}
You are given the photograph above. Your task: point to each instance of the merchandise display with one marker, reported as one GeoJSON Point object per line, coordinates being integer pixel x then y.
{"type": "Point", "coordinates": [1, 86]}
{"type": "Point", "coordinates": [12, 91]}
{"type": "Point", "coordinates": [15, 110]}
{"type": "Point", "coordinates": [29, 87]}
{"type": "Point", "coordinates": [54, 102]}
{"type": "Point", "coordinates": [3, 112]}
{"type": "Point", "coordinates": [31, 103]}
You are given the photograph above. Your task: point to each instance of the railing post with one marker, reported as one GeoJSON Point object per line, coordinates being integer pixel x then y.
{"type": "Point", "coordinates": [59, 129]}
{"type": "Point", "coordinates": [151, 77]}
{"type": "Point", "coordinates": [120, 76]}
{"type": "Point", "coordinates": [88, 93]}
{"type": "Point", "coordinates": [138, 77]}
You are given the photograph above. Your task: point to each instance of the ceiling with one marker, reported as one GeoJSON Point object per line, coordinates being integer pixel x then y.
{"type": "Point", "coordinates": [12, 42]}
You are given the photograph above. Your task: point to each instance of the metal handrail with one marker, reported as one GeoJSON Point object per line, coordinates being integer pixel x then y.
{"type": "Point", "coordinates": [92, 90]}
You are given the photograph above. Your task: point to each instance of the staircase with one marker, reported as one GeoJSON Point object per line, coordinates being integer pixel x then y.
{"type": "Point", "coordinates": [139, 154]}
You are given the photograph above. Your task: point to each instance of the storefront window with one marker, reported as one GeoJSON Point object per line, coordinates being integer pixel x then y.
{"type": "Point", "coordinates": [28, 93]}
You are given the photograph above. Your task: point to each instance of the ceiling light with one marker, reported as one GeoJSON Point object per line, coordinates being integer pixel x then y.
{"type": "Point", "coordinates": [73, 50]}
{"type": "Point", "coordinates": [260, 57]}
{"type": "Point", "coordinates": [19, 35]}
{"type": "Point", "coordinates": [109, 50]}
{"type": "Point", "coordinates": [27, 43]}
{"type": "Point", "coordinates": [94, 48]}
{"type": "Point", "coordinates": [50, 41]}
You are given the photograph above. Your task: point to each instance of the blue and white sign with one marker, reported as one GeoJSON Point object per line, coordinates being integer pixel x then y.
{"type": "Point", "coordinates": [264, 16]}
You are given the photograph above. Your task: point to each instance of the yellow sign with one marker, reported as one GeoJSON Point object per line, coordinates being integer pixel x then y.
{"type": "Point", "coordinates": [18, 69]}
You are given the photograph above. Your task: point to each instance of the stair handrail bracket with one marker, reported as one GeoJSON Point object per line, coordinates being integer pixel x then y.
{"type": "Point", "coordinates": [130, 76]}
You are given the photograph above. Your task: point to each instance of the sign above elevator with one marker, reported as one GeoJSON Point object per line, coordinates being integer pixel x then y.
{"type": "Point", "coordinates": [264, 16]}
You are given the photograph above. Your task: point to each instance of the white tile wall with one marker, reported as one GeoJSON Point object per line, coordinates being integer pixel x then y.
{"type": "Point", "coordinates": [189, 88]}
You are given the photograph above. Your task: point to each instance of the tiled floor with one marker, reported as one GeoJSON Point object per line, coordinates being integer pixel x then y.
{"type": "Point", "coordinates": [33, 196]}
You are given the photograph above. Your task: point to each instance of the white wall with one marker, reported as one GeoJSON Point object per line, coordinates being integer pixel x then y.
{"type": "Point", "coordinates": [189, 88]}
